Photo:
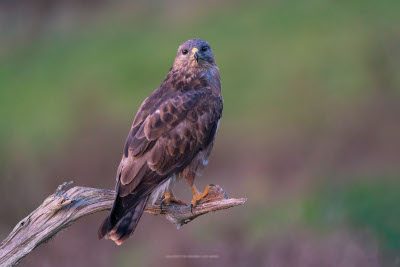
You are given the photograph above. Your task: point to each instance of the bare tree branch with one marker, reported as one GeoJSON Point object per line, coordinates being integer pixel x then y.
{"type": "Point", "coordinates": [62, 208]}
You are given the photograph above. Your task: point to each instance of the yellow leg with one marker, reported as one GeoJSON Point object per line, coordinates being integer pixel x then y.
{"type": "Point", "coordinates": [169, 198]}
{"type": "Point", "coordinates": [197, 196]}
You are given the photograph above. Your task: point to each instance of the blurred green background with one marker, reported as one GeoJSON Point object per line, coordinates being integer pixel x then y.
{"type": "Point", "coordinates": [310, 130]}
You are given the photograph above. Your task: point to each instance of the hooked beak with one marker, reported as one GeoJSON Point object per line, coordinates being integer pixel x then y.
{"type": "Point", "coordinates": [195, 53]}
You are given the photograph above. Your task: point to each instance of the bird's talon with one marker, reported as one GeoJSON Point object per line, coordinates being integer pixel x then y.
{"type": "Point", "coordinates": [168, 198]}
{"type": "Point", "coordinates": [191, 208]}
{"type": "Point", "coordinates": [163, 199]}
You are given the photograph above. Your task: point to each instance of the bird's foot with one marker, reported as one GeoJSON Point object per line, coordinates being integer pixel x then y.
{"type": "Point", "coordinates": [197, 196]}
{"type": "Point", "coordinates": [168, 198]}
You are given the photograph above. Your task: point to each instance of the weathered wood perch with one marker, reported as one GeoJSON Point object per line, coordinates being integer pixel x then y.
{"type": "Point", "coordinates": [65, 206]}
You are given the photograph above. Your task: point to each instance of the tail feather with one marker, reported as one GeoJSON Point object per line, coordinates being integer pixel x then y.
{"type": "Point", "coordinates": [124, 226]}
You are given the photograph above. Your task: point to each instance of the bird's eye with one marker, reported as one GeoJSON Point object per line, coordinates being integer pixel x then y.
{"type": "Point", "coordinates": [204, 48]}
{"type": "Point", "coordinates": [185, 51]}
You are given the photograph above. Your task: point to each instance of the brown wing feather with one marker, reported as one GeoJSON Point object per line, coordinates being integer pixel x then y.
{"type": "Point", "coordinates": [163, 140]}
{"type": "Point", "coordinates": [144, 136]}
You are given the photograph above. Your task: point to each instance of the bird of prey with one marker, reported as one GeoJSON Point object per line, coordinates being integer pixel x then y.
{"type": "Point", "coordinates": [171, 137]}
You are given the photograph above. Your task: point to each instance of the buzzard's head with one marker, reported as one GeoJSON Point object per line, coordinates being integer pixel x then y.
{"type": "Point", "coordinates": [194, 53]}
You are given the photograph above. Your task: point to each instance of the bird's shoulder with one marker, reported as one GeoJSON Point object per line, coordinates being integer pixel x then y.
{"type": "Point", "coordinates": [181, 91]}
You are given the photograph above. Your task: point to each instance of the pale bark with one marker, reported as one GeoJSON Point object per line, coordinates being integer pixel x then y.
{"type": "Point", "coordinates": [65, 206]}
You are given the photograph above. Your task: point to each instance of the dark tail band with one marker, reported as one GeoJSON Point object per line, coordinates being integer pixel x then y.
{"type": "Point", "coordinates": [124, 226]}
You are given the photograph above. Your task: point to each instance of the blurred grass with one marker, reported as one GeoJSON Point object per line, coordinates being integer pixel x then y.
{"type": "Point", "coordinates": [366, 206]}
{"type": "Point", "coordinates": [300, 70]}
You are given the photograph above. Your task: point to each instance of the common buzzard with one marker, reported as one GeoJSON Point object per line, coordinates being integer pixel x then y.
{"type": "Point", "coordinates": [171, 137]}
